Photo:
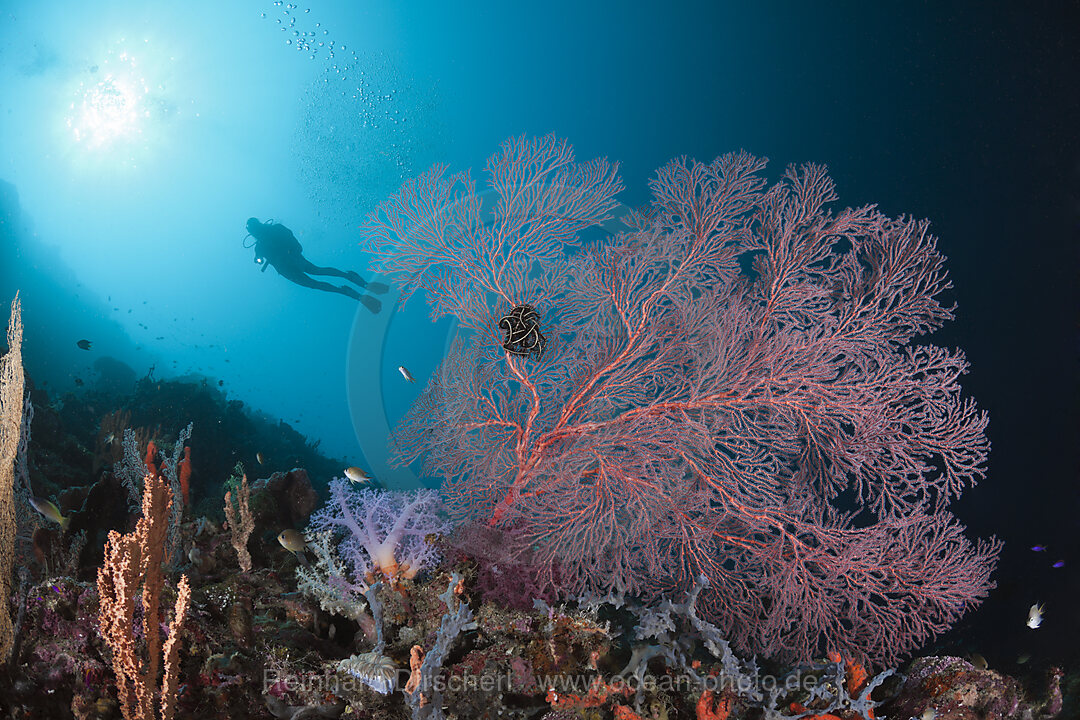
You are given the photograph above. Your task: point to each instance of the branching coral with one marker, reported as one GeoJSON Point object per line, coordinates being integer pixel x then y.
{"type": "Point", "coordinates": [132, 561]}
{"type": "Point", "coordinates": [241, 522]}
{"type": "Point", "coordinates": [328, 580]}
{"type": "Point", "coordinates": [733, 388]}
{"type": "Point", "coordinates": [382, 533]}
{"type": "Point", "coordinates": [11, 414]}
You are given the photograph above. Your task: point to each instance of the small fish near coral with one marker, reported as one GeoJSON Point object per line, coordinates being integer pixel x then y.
{"type": "Point", "coordinates": [1035, 616]}
{"type": "Point", "coordinates": [50, 511]}
{"type": "Point", "coordinates": [357, 476]}
{"type": "Point", "coordinates": [294, 542]}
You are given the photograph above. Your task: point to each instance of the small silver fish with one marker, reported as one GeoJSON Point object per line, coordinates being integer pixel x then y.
{"type": "Point", "coordinates": [1035, 616]}
{"type": "Point", "coordinates": [260, 458]}
{"type": "Point", "coordinates": [50, 511]}
{"type": "Point", "coordinates": [110, 438]}
{"type": "Point", "coordinates": [357, 476]}
{"type": "Point", "coordinates": [406, 374]}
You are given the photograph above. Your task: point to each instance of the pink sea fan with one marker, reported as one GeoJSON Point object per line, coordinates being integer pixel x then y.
{"type": "Point", "coordinates": [730, 389]}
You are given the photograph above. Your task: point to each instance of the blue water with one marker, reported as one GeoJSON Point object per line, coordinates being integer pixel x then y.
{"type": "Point", "coordinates": [139, 138]}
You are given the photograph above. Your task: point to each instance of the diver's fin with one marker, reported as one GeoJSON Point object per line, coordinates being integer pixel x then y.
{"type": "Point", "coordinates": [371, 303]}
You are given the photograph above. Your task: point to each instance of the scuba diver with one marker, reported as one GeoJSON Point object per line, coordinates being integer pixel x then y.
{"type": "Point", "coordinates": [276, 245]}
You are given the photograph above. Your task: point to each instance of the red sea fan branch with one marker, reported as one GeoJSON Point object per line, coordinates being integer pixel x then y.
{"type": "Point", "coordinates": [729, 390]}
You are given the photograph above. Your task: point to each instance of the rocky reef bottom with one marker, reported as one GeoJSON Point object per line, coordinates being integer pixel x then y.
{"type": "Point", "coordinates": [474, 637]}
{"type": "Point", "coordinates": [254, 647]}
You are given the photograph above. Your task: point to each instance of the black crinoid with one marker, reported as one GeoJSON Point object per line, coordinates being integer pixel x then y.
{"type": "Point", "coordinates": [523, 337]}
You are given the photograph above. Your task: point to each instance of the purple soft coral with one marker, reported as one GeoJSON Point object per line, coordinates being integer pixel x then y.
{"type": "Point", "coordinates": [385, 532]}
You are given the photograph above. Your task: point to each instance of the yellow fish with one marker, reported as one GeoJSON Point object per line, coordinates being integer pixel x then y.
{"type": "Point", "coordinates": [405, 373]}
{"type": "Point", "coordinates": [49, 510]}
{"type": "Point", "coordinates": [294, 543]}
{"type": "Point", "coordinates": [357, 475]}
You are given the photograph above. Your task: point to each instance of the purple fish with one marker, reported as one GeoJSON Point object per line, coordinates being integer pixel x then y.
{"type": "Point", "coordinates": [1059, 564]}
{"type": "Point", "coordinates": [1038, 548]}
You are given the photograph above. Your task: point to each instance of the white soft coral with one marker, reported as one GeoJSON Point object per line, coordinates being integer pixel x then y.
{"type": "Point", "coordinates": [382, 532]}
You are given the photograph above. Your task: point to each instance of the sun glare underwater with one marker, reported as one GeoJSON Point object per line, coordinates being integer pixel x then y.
{"type": "Point", "coordinates": [120, 108]}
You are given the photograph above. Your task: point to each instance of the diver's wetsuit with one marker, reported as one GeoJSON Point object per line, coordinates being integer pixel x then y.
{"type": "Point", "coordinates": [276, 245]}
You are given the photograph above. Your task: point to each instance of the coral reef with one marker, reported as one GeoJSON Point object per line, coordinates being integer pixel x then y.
{"type": "Point", "coordinates": [241, 522]}
{"type": "Point", "coordinates": [11, 431]}
{"type": "Point", "coordinates": [134, 564]}
{"type": "Point", "coordinates": [253, 646]}
{"type": "Point", "coordinates": [379, 532]}
{"type": "Point", "coordinates": [955, 689]}
{"type": "Point", "coordinates": [632, 515]}
{"type": "Point", "coordinates": [732, 389]}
